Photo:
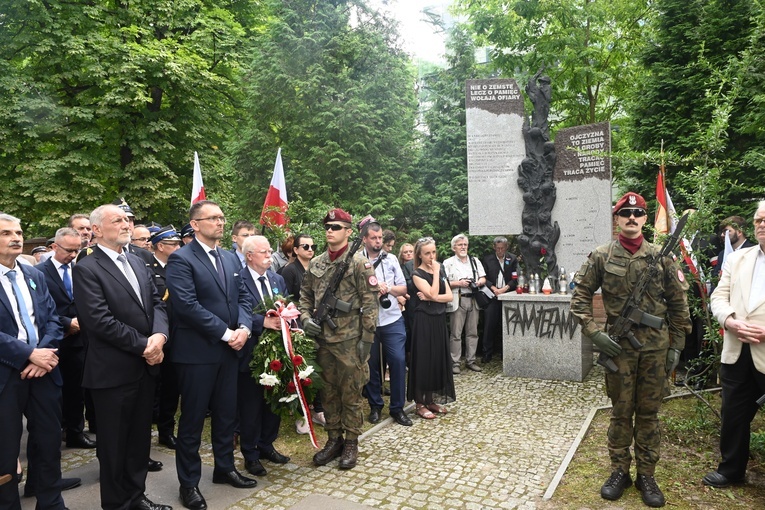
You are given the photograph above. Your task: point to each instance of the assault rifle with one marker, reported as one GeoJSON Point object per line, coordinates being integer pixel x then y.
{"type": "Point", "coordinates": [761, 401]}
{"type": "Point", "coordinates": [631, 314]}
{"type": "Point", "coordinates": [329, 304]}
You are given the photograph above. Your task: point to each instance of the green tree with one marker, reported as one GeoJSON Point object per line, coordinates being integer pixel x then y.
{"type": "Point", "coordinates": [585, 46]}
{"type": "Point", "coordinates": [329, 84]}
{"type": "Point", "coordinates": [106, 99]}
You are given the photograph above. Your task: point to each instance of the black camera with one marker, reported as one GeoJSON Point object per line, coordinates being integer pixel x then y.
{"type": "Point", "coordinates": [385, 301]}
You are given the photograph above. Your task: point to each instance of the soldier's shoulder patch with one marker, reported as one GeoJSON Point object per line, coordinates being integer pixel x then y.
{"type": "Point", "coordinates": [372, 280]}
{"type": "Point", "coordinates": [680, 275]}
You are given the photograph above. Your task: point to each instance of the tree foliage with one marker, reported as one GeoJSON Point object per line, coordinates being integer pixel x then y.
{"type": "Point", "coordinates": [105, 99]}
{"type": "Point", "coordinates": [586, 46]}
{"type": "Point", "coordinates": [328, 83]}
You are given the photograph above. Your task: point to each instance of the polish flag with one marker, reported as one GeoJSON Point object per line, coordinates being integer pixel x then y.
{"type": "Point", "coordinates": [275, 206]}
{"type": "Point", "coordinates": [665, 220]}
{"type": "Point", "coordinates": [198, 188]}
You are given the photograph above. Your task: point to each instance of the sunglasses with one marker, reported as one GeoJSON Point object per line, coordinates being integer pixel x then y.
{"type": "Point", "coordinates": [307, 247]}
{"type": "Point", "coordinates": [333, 226]}
{"type": "Point", "coordinates": [626, 213]}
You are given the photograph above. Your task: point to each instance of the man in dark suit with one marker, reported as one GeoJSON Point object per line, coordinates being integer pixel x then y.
{"type": "Point", "coordinates": [212, 318]}
{"type": "Point", "coordinates": [30, 381]}
{"type": "Point", "coordinates": [58, 275]}
{"type": "Point", "coordinates": [126, 325]}
{"type": "Point", "coordinates": [258, 425]}
{"type": "Point", "coordinates": [501, 277]}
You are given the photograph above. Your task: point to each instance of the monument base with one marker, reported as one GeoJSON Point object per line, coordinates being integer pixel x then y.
{"type": "Point", "coordinates": [541, 339]}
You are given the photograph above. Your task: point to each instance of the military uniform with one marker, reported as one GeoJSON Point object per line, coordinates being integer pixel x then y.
{"type": "Point", "coordinates": [640, 384]}
{"type": "Point", "coordinates": [344, 374]}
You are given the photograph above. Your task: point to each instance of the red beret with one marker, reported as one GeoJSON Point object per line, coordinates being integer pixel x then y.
{"type": "Point", "coordinates": [629, 199]}
{"type": "Point", "coordinates": [338, 215]}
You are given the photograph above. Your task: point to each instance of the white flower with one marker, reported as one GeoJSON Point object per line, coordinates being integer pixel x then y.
{"type": "Point", "coordinates": [289, 399]}
{"type": "Point", "coordinates": [268, 380]}
{"type": "Point", "coordinates": [305, 373]}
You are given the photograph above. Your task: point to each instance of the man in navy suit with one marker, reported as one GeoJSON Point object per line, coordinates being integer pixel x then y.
{"type": "Point", "coordinates": [126, 325]}
{"type": "Point", "coordinates": [58, 275]}
{"type": "Point", "coordinates": [30, 382]}
{"type": "Point", "coordinates": [501, 277]}
{"type": "Point", "coordinates": [212, 319]}
{"type": "Point", "coordinates": [258, 425]}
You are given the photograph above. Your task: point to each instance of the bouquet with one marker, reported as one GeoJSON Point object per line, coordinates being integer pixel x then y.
{"type": "Point", "coordinates": [284, 362]}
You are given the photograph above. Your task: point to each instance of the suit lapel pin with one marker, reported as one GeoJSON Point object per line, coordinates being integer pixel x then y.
{"type": "Point", "coordinates": [32, 284]}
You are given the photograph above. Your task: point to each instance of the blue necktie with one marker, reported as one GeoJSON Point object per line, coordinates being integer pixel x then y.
{"type": "Point", "coordinates": [67, 281]}
{"type": "Point", "coordinates": [25, 318]}
{"type": "Point", "coordinates": [219, 267]}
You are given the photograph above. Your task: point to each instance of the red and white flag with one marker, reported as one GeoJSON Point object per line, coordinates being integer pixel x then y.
{"type": "Point", "coordinates": [275, 206]}
{"type": "Point", "coordinates": [197, 188]}
{"type": "Point", "coordinates": [666, 217]}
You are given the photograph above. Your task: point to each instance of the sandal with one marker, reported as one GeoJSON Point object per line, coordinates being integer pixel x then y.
{"type": "Point", "coordinates": [424, 412]}
{"type": "Point", "coordinates": [438, 409]}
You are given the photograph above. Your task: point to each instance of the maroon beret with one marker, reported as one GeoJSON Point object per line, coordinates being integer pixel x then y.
{"type": "Point", "coordinates": [630, 199]}
{"type": "Point", "coordinates": [338, 215]}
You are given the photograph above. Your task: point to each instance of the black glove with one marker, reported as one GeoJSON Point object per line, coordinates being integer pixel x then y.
{"type": "Point", "coordinates": [311, 328]}
{"type": "Point", "coordinates": [605, 344]}
{"type": "Point", "coordinates": [673, 359]}
{"type": "Point", "coordinates": [363, 349]}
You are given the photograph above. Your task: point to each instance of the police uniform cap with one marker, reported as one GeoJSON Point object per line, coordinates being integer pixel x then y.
{"type": "Point", "coordinates": [120, 202]}
{"type": "Point", "coordinates": [166, 233]}
{"type": "Point", "coordinates": [187, 231]}
{"type": "Point", "coordinates": [39, 249]}
{"type": "Point", "coordinates": [630, 200]}
{"type": "Point", "coordinates": [49, 242]}
{"type": "Point", "coordinates": [154, 227]}
{"type": "Point", "coordinates": [338, 215]}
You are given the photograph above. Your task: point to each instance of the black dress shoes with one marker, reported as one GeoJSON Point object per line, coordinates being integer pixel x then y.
{"type": "Point", "coordinates": [146, 504]}
{"type": "Point", "coordinates": [274, 456]}
{"type": "Point", "coordinates": [66, 484]}
{"type": "Point", "coordinates": [155, 465]}
{"type": "Point", "coordinates": [254, 467]}
{"type": "Point", "coordinates": [374, 415]}
{"type": "Point", "coordinates": [234, 479]}
{"type": "Point", "coordinates": [715, 479]}
{"type": "Point", "coordinates": [80, 440]}
{"type": "Point", "coordinates": [168, 441]}
{"type": "Point", "coordinates": [615, 485]}
{"type": "Point", "coordinates": [192, 498]}
{"type": "Point", "coordinates": [401, 418]}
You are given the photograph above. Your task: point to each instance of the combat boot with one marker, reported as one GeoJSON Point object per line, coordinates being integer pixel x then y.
{"type": "Point", "coordinates": [332, 450]}
{"type": "Point", "coordinates": [649, 491]}
{"type": "Point", "coordinates": [615, 485]}
{"type": "Point", "coordinates": [350, 454]}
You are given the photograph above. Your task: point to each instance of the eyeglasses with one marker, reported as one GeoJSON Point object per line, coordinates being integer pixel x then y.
{"type": "Point", "coordinates": [758, 221]}
{"type": "Point", "coordinates": [141, 239]}
{"type": "Point", "coordinates": [214, 219]}
{"type": "Point", "coordinates": [626, 213]}
{"type": "Point", "coordinates": [71, 252]}
{"type": "Point", "coordinates": [333, 226]}
{"type": "Point", "coordinates": [308, 247]}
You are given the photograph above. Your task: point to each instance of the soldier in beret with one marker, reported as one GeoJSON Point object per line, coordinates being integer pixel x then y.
{"type": "Point", "coordinates": [343, 352]}
{"type": "Point", "coordinates": [640, 383]}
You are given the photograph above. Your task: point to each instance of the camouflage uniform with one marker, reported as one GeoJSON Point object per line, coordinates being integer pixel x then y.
{"type": "Point", "coordinates": [343, 373]}
{"type": "Point", "coordinates": [641, 382]}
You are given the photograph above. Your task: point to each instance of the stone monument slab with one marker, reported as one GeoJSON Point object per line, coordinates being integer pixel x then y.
{"type": "Point", "coordinates": [542, 339]}
{"type": "Point", "coordinates": [495, 149]}
{"type": "Point", "coordinates": [582, 177]}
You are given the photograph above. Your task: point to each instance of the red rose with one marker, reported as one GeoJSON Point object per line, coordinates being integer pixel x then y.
{"type": "Point", "coordinates": [306, 382]}
{"type": "Point", "coordinates": [297, 360]}
{"type": "Point", "coordinates": [291, 387]}
{"type": "Point", "coordinates": [268, 388]}
{"type": "Point", "coordinates": [275, 365]}
{"type": "Point", "coordinates": [542, 251]}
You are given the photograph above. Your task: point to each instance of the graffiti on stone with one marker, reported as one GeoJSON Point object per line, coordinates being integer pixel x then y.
{"type": "Point", "coordinates": [538, 320]}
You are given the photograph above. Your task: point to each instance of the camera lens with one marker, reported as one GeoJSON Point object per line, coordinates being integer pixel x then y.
{"type": "Point", "coordinates": [385, 301]}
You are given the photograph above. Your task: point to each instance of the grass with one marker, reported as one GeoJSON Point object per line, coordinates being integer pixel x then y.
{"type": "Point", "coordinates": [690, 449]}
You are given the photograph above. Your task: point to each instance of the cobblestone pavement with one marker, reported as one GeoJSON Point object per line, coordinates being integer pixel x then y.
{"type": "Point", "coordinates": [499, 447]}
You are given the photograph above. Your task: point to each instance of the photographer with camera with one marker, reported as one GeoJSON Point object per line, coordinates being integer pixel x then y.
{"type": "Point", "coordinates": [466, 275]}
{"type": "Point", "coordinates": [390, 334]}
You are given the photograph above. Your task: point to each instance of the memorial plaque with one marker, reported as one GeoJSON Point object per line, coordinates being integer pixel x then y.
{"type": "Point", "coordinates": [582, 178]}
{"type": "Point", "coordinates": [495, 149]}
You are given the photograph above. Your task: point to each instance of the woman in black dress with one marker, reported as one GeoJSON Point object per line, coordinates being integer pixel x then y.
{"type": "Point", "coordinates": [431, 383]}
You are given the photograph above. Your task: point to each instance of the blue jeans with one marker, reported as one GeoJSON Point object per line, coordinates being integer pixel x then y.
{"type": "Point", "coordinates": [393, 340]}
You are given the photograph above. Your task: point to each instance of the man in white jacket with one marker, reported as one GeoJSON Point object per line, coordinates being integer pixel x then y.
{"type": "Point", "coordinates": [738, 303]}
